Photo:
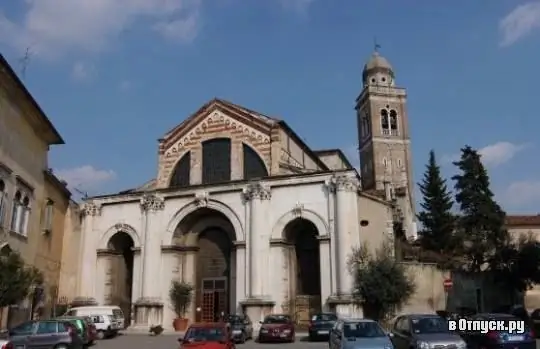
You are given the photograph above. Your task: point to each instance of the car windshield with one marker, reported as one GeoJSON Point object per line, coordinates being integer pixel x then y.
{"type": "Point", "coordinates": [362, 330]}
{"type": "Point", "coordinates": [429, 325]}
{"type": "Point", "coordinates": [204, 334]}
{"type": "Point", "coordinates": [276, 320]}
{"type": "Point", "coordinates": [324, 317]}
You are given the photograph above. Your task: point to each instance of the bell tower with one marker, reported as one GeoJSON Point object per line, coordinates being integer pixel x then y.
{"type": "Point", "coordinates": [383, 132]}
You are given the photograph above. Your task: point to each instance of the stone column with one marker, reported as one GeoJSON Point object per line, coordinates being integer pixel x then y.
{"type": "Point", "coordinates": [325, 277]}
{"type": "Point", "coordinates": [149, 307]}
{"type": "Point", "coordinates": [258, 303]}
{"type": "Point", "coordinates": [346, 188]}
{"type": "Point", "coordinates": [331, 197]}
{"type": "Point", "coordinates": [88, 255]}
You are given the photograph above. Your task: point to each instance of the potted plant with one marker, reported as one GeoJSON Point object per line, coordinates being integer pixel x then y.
{"type": "Point", "coordinates": [180, 295]}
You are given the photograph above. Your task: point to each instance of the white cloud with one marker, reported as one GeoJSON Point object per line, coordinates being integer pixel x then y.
{"type": "Point", "coordinates": [520, 22]}
{"type": "Point", "coordinates": [85, 177]}
{"type": "Point", "coordinates": [522, 193]}
{"type": "Point", "coordinates": [182, 30]}
{"type": "Point", "coordinates": [493, 155]}
{"type": "Point", "coordinates": [53, 27]}
{"type": "Point", "coordinates": [82, 71]}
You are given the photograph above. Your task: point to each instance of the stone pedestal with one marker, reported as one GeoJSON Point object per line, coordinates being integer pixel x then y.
{"type": "Point", "coordinates": [345, 307]}
{"type": "Point", "coordinates": [257, 309]}
{"type": "Point", "coordinates": [148, 312]}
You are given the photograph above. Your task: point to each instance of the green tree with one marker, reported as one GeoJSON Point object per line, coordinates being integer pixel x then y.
{"type": "Point", "coordinates": [16, 279]}
{"type": "Point", "coordinates": [519, 267]}
{"type": "Point", "coordinates": [481, 222]}
{"type": "Point", "coordinates": [381, 284]}
{"type": "Point", "coordinates": [438, 222]}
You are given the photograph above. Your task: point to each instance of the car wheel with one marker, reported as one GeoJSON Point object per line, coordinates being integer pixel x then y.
{"type": "Point", "coordinates": [100, 334]}
{"type": "Point", "coordinates": [242, 338]}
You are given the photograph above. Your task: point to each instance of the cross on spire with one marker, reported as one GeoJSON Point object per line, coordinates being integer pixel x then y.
{"type": "Point", "coordinates": [376, 45]}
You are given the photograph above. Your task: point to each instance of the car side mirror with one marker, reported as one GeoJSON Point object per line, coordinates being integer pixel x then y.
{"type": "Point", "coordinates": [390, 334]}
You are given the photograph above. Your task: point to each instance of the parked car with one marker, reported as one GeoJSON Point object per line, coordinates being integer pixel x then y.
{"type": "Point", "coordinates": [207, 336]}
{"type": "Point", "coordinates": [358, 333]}
{"type": "Point", "coordinates": [321, 325]}
{"type": "Point", "coordinates": [108, 319]}
{"type": "Point", "coordinates": [44, 334]}
{"type": "Point", "coordinates": [241, 327]}
{"type": "Point", "coordinates": [422, 331]}
{"type": "Point", "coordinates": [6, 344]}
{"type": "Point", "coordinates": [535, 322]}
{"type": "Point", "coordinates": [277, 328]}
{"type": "Point", "coordinates": [85, 327]}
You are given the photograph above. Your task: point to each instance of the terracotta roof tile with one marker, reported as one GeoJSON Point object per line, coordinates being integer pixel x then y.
{"type": "Point", "coordinates": [521, 220]}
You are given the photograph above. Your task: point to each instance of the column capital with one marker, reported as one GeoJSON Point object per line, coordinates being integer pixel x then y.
{"type": "Point", "coordinates": [91, 209]}
{"type": "Point", "coordinates": [257, 191]}
{"type": "Point", "coordinates": [346, 183]}
{"type": "Point", "coordinates": [152, 202]}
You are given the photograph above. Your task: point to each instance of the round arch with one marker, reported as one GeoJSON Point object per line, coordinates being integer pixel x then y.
{"type": "Point", "coordinates": [119, 227]}
{"type": "Point", "coordinates": [182, 154]}
{"type": "Point", "coordinates": [191, 238]}
{"type": "Point", "coordinates": [250, 145]}
{"type": "Point", "coordinates": [279, 228]}
{"type": "Point", "coordinates": [238, 233]}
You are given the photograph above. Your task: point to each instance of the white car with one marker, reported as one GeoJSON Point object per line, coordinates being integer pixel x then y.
{"type": "Point", "coordinates": [5, 344]}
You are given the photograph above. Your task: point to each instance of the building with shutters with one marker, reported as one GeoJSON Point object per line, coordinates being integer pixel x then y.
{"type": "Point", "coordinates": [250, 215]}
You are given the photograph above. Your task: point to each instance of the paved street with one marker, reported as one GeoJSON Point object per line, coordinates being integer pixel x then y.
{"type": "Point", "coordinates": [142, 341]}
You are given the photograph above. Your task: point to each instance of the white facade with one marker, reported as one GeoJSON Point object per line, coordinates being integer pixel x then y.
{"type": "Point", "coordinates": [259, 213]}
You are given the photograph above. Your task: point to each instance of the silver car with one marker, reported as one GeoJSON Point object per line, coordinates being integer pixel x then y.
{"type": "Point", "coordinates": [424, 331]}
{"type": "Point", "coordinates": [358, 333]}
{"type": "Point", "coordinates": [45, 334]}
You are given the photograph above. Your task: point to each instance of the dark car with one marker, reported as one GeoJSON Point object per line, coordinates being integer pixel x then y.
{"type": "Point", "coordinates": [207, 335]}
{"type": "Point", "coordinates": [85, 327]}
{"type": "Point", "coordinates": [241, 327]}
{"type": "Point", "coordinates": [499, 339]}
{"type": "Point", "coordinates": [321, 325]}
{"type": "Point", "coordinates": [535, 322]}
{"type": "Point", "coordinates": [277, 328]}
{"type": "Point", "coordinates": [421, 331]}
{"type": "Point", "coordinates": [45, 334]}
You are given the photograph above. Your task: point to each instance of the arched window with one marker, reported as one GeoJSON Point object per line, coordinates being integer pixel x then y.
{"type": "Point", "coordinates": [15, 211]}
{"type": "Point", "coordinates": [393, 123]}
{"type": "Point", "coordinates": [253, 164]}
{"type": "Point", "coordinates": [3, 199]}
{"type": "Point", "coordinates": [385, 123]}
{"type": "Point", "coordinates": [181, 173]}
{"type": "Point", "coordinates": [216, 160]}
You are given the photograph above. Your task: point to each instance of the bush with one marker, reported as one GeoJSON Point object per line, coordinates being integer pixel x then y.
{"type": "Point", "coordinates": [17, 279]}
{"type": "Point", "coordinates": [381, 284]}
{"type": "Point", "coordinates": [180, 295]}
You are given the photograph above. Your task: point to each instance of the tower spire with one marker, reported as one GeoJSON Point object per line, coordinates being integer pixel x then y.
{"type": "Point", "coordinates": [376, 45]}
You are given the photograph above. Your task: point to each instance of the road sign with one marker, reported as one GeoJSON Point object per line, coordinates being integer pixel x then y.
{"type": "Point", "coordinates": [448, 283]}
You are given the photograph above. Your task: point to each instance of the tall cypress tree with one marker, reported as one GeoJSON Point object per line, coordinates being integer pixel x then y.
{"type": "Point", "coordinates": [438, 222]}
{"type": "Point", "coordinates": [481, 223]}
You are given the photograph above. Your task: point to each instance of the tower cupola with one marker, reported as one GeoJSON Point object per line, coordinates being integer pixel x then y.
{"type": "Point", "coordinates": [378, 71]}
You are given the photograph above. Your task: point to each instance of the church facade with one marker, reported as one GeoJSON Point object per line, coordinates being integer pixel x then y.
{"type": "Point", "coordinates": [251, 216]}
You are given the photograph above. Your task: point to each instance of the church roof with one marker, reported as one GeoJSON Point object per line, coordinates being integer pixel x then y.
{"type": "Point", "coordinates": [522, 220]}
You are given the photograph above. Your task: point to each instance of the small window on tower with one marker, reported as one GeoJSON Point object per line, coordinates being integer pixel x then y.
{"type": "Point", "coordinates": [383, 79]}
{"type": "Point", "coordinates": [385, 162]}
{"type": "Point", "coordinates": [393, 123]}
{"type": "Point", "coordinates": [399, 163]}
{"type": "Point", "coordinates": [385, 123]}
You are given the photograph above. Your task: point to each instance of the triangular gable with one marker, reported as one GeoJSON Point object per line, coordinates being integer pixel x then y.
{"type": "Point", "coordinates": [259, 122]}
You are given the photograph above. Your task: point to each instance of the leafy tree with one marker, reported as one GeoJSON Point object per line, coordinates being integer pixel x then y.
{"type": "Point", "coordinates": [481, 224]}
{"type": "Point", "coordinates": [438, 222]}
{"type": "Point", "coordinates": [381, 284]}
{"type": "Point", "coordinates": [519, 267]}
{"type": "Point", "coordinates": [16, 279]}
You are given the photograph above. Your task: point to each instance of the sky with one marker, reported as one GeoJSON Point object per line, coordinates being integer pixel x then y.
{"type": "Point", "coordinates": [115, 75]}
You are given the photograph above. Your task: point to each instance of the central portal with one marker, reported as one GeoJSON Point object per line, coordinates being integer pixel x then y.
{"type": "Point", "coordinates": [214, 276]}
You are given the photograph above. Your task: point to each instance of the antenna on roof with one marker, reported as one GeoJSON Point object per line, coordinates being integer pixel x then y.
{"type": "Point", "coordinates": [24, 61]}
{"type": "Point", "coordinates": [376, 45]}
